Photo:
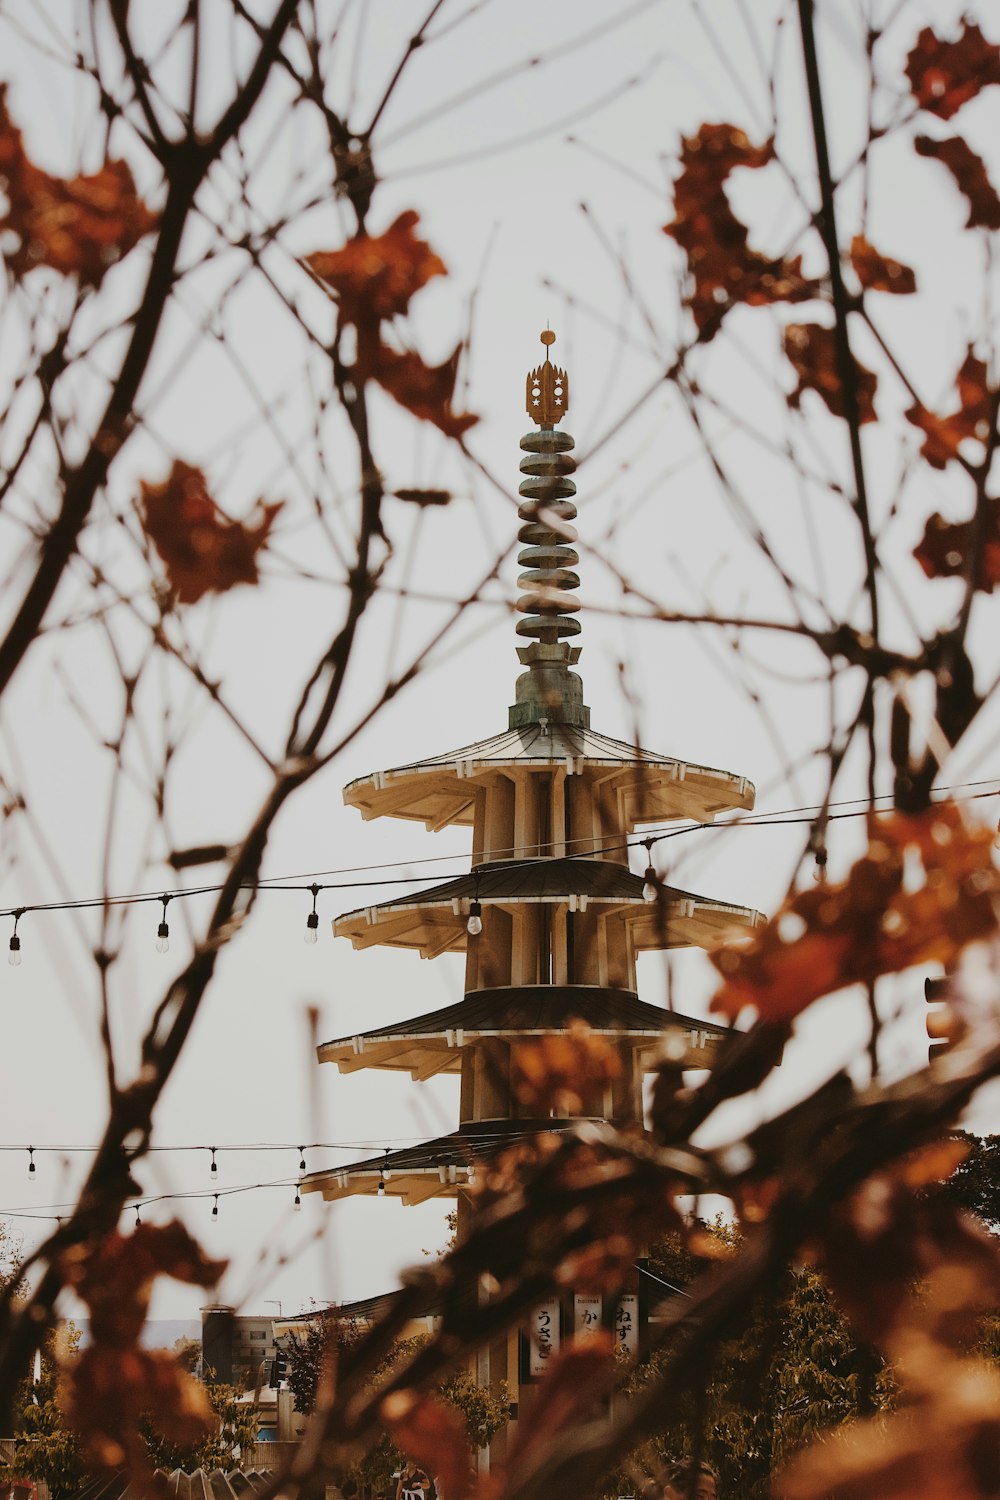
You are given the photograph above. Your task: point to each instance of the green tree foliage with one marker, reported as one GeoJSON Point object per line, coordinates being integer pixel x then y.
{"type": "Point", "coordinates": [483, 1410]}
{"type": "Point", "coordinates": [795, 1371]}
{"type": "Point", "coordinates": [975, 1183]}
{"type": "Point", "coordinates": [44, 1448]}
{"type": "Point", "coordinates": [236, 1428]}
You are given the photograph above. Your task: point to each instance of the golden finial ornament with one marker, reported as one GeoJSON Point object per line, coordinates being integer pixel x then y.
{"type": "Point", "coordinates": [547, 389]}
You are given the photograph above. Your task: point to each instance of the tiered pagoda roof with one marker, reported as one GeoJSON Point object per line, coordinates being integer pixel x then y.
{"type": "Point", "coordinates": [440, 791]}
{"type": "Point", "coordinates": [550, 917]}
{"type": "Point", "coordinates": [435, 920]}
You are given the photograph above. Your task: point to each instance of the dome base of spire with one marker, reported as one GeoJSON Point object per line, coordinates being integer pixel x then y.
{"type": "Point", "coordinates": [548, 690]}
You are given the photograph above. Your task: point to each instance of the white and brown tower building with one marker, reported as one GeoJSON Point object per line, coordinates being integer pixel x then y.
{"type": "Point", "coordinates": [550, 916]}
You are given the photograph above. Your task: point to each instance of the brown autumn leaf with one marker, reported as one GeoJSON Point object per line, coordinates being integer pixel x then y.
{"type": "Point", "coordinates": [114, 1382]}
{"type": "Point", "coordinates": [560, 1071]}
{"type": "Point", "coordinates": [78, 226]}
{"type": "Point", "coordinates": [943, 436]}
{"type": "Point", "coordinates": [433, 1434]}
{"type": "Point", "coordinates": [723, 267]}
{"type": "Point", "coordinates": [945, 75]}
{"type": "Point", "coordinates": [879, 273]}
{"type": "Point", "coordinates": [812, 349]}
{"type": "Point", "coordinates": [424, 390]}
{"type": "Point", "coordinates": [969, 172]}
{"type": "Point", "coordinates": [944, 547]}
{"type": "Point", "coordinates": [375, 276]}
{"type": "Point", "coordinates": [203, 550]}
{"type": "Point", "coordinates": [831, 936]}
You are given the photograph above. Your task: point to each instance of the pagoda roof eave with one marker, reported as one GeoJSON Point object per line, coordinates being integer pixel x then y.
{"type": "Point", "coordinates": [441, 790]}
{"type": "Point", "coordinates": [433, 920]}
{"type": "Point", "coordinates": [433, 1169]}
{"type": "Point", "coordinates": [432, 1043]}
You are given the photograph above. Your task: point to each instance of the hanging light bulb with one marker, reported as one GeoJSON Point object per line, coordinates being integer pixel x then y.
{"type": "Point", "coordinates": [138, 1221]}
{"type": "Point", "coordinates": [474, 925]}
{"type": "Point", "coordinates": [312, 920]}
{"type": "Point", "coordinates": [14, 957]}
{"type": "Point", "coordinates": [650, 888]}
{"type": "Point", "coordinates": [31, 1161]}
{"type": "Point", "coordinates": [383, 1174]}
{"type": "Point", "coordinates": [819, 873]}
{"type": "Point", "coordinates": [214, 1168]}
{"type": "Point", "coordinates": [380, 1191]}
{"type": "Point", "coordinates": [215, 1206]}
{"type": "Point", "coordinates": [302, 1158]}
{"type": "Point", "coordinates": [297, 1205]}
{"type": "Point", "coordinates": [163, 931]}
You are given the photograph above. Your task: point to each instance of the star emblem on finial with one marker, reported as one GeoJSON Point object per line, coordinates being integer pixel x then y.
{"type": "Point", "coordinates": [548, 388]}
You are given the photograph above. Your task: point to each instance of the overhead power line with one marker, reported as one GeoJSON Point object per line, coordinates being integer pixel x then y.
{"type": "Point", "coordinates": [316, 882]}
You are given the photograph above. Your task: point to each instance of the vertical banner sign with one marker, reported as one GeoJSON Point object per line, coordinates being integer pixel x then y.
{"type": "Point", "coordinates": [627, 1325]}
{"type": "Point", "coordinates": [586, 1316]}
{"type": "Point", "coordinates": [543, 1337]}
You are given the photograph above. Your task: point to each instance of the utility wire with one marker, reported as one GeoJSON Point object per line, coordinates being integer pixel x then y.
{"type": "Point", "coordinates": [312, 882]}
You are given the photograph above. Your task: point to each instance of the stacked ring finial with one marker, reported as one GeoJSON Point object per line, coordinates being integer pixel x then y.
{"type": "Point", "coordinates": [548, 556]}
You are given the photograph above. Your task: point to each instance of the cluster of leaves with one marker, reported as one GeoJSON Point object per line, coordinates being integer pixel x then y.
{"type": "Point", "coordinates": [880, 920]}
{"type": "Point", "coordinates": [114, 1383]}
{"type": "Point", "coordinates": [726, 271]}
{"type": "Point", "coordinates": [375, 277]}
{"type": "Point", "coordinates": [558, 1074]}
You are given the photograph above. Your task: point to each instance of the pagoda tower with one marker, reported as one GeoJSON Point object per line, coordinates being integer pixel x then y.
{"type": "Point", "coordinates": [550, 917]}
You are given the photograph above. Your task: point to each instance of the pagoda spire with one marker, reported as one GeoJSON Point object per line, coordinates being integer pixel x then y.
{"type": "Point", "coordinates": [548, 691]}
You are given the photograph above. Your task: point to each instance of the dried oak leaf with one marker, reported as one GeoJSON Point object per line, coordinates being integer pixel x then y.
{"type": "Point", "coordinates": [114, 1382]}
{"type": "Point", "coordinates": [433, 1434]}
{"type": "Point", "coordinates": [879, 273]}
{"type": "Point", "coordinates": [724, 268]}
{"type": "Point", "coordinates": [812, 349]}
{"type": "Point", "coordinates": [375, 276]}
{"type": "Point", "coordinates": [943, 436]}
{"type": "Point", "coordinates": [945, 75]}
{"type": "Point", "coordinates": [831, 936]}
{"type": "Point", "coordinates": [203, 550]}
{"type": "Point", "coordinates": [424, 390]}
{"type": "Point", "coordinates": [560, 1071]}
{"type": "Point", "coordinates": [969, 172]}
{"type": "Point", "coordinates": [78, 226]}
{"type": "Point", "coordinates": [944, 546]}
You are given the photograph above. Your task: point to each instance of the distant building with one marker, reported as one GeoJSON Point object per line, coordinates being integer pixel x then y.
{"type": "Point", "coordinates": [234, 1346]}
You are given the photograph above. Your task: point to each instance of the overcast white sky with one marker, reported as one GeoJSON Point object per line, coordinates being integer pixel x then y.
{"type": "Point", "coordinates": [499, 158]}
